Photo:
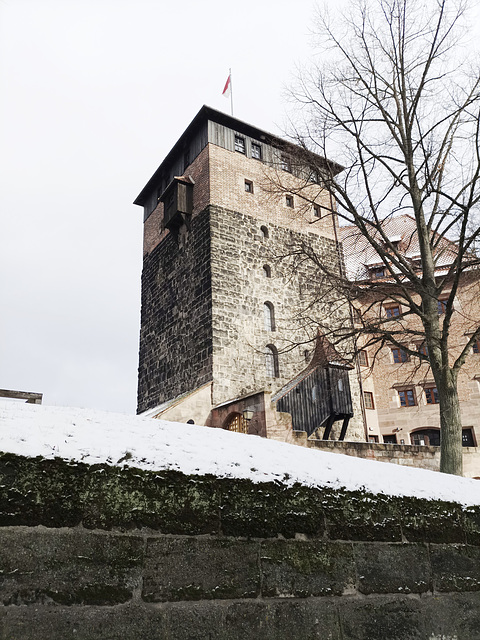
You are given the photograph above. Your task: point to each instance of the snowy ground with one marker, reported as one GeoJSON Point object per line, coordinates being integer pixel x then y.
{"type": "Point", "coordinates": [96, 437]}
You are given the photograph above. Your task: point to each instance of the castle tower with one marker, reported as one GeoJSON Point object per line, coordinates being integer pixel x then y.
{"type": "Point", "coordinates": [220, 310]}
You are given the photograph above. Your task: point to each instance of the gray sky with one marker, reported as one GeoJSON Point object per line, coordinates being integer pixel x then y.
{"type": "Point", "coordinates": [93, 95]}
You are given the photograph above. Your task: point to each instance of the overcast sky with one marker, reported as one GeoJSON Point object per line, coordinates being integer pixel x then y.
{"type": "Point", "coordinates": [94, 93]}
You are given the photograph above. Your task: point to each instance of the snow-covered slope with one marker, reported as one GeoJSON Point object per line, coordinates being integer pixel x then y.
{"type": "Point", "coordinates": [96, 437]}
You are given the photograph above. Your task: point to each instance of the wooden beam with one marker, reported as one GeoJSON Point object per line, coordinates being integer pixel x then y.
{"type": "Point", "coordinates": [29, 396]}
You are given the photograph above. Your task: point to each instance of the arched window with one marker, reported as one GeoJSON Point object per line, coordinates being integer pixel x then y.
{"type": "Point", "coordinates": [267, 272]}
{"type": "Point", "coordinates": [264, 231]}
{"type": "Point", "coordinates": [268, 316]}
{"type": "Point", "coordinates": [271, 361]}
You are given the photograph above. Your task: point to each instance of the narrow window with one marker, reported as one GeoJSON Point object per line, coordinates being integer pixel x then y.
{"type": "Point", "coordinates": [186, 159]}
{"type": "Point", "coordinates": [256, 151]}
{"type": "Point", "coordinates": [268, 316]}
{"type": "Point", "coordinates": [392, 311]}
{"type": "Point", "coordinates": [289, 201]}
{"type": "Point", "coordinates": [317, 211]}
{"type": "Point", "coordinates": [267, 272]}
{"type": "Point", "coordinates": [423, 349]}
{"type": "Point", "coordinates": [368, 396]}
{"type": "Point", "coordinates": [239, 144]}
{"type": "Point", "coordinates": [407, 398]}
{"type": "Point", "coordinates": [271, 361]}
{"type": "Point", "coordinates": [442, 306]}
{"type": "Point", "coordinates": [264, 232]}
{"type": "Point", "coordinates": [286, 163]}
{"type": "Point", "coordinates": [248, 186]}
{"type": "Point", "coordinates": [363, 358]}
{"type": "Point", "coordinates": [399, 355]}
{"type": "Point", "coordinates": [467, 438]}
{"type": "Point", "coordinates": [476, 346]}
{"type": "Point", "coordinates": [431, 395]}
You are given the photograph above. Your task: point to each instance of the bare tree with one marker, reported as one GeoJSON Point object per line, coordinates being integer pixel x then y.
{"type": "Point", "coordinates": [397, 103]}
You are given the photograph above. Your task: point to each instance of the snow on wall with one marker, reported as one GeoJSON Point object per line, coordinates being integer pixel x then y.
{"type": "Point", "coordinates": [96, 437]}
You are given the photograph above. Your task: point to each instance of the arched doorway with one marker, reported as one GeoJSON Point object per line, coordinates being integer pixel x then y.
{"type": "Point", "coordinates": [236, 422]}
{"type": "Point", "coordinates": [427, 437]}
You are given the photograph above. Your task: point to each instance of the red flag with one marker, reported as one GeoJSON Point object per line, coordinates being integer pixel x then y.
{"type": "Point", "coordinates": [227, 89]}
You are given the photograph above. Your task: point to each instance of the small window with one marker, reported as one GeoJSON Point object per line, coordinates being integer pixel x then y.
{"type": "Point", "coordinates": [431, 395]}
{"type": "Point", "coordinates": [426, 437]}
{"type": "Point", "coordinates": [271, 361]}
{"type": "Point", "coordinates": [264, 232]}
{"type": "Point", "coordinates": [390, 439]}
{"type": "Point", "coordinates": [373, 438]}
{"type": "Point", "coordinates": [377, 272]}
{"type": "Point", "coordinates": [392, 311]}
{"type": "Point", "coordinates": [267, 272]}
{"type": "Point", "coordinates": [476, 346]}
{"type": "Point", "coordinates": [407, 398]}
{"type": "Point", "coordinates": [442, 306]}
{"type": "Point", "coordinates": [307, 354]}
{"type": "Point", "coordinates": [467, 438]}
{"type": "Point", "coordinates": [423, 349]}
{"type": "Point", "coordinates": [368, 396]}
{"type": "Point", "coordinates": [399, 355]}
{"type": "Point", "coordinates": [363, 358]}
{"type": "Point", "coordinates": [239, 144]}
{"type": "Point", "coordinates": [268, 316]}
{"type": "Point", "coordinates": [286, 163]}
{"type": "Point", "coordinates": [317, 210]}
{"type": "Point", "coordinates": [289, 201]}
{"type": "Point", "coordinates": [248, 186]}
{"type": "Point", "coordinates": [256, 151]}
{"type": "Point", "coordinates": [357, 315]}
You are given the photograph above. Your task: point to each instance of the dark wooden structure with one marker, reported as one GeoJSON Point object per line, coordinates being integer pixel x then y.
{"type": "Point", "coordinates": [178, 202]}
{"type": "Point", "coordinates": [320, 395]}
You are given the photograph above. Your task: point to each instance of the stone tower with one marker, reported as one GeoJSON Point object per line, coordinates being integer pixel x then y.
{"type": "Point", "coordinates": [219, 318]}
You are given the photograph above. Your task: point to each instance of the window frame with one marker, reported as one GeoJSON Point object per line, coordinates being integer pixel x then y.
{"type": "Point", "coordinates": [239, 144]}
{"type": "Point", "coordinates": [286, 163]}
{"type": "Point", "coordinates": [248, 186]}
{"type": "Point", "coordinates": [271, 361]}
{"type": "Point", "coordinates": [389, 310]}
{"type": "Point", "coordinates": [442, 305]}
{"type": "Point", "coordinates": [371, 402]}
{"type": "Point", "coordinates": [431, 392]}
{"type": "Point", "coordinates": [402, 356]}
{"type": "Point", "coordinates": [268, 316]}
{"type": "Point", "coordinates": [405, 393]}
{"type": "Point", "coordinates": [258, 147]}
{"type": "Point", "coordinates": [363, 358]}
{"type": "Point", "coordinates": [289, 202]}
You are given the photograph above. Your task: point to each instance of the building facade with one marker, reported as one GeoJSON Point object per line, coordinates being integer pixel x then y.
{"type": "Point", "coordinates": [401, 402]}
{"type": "Point", "coordinates": [221, 333]}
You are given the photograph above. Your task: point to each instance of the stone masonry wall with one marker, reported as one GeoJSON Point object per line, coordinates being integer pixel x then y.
{"type": "Point", "coordinates": [106, 552]}
{"type": "Point", "coordinates": [239, 290]}
{"type": "Point", "coordinates": [176, 332]}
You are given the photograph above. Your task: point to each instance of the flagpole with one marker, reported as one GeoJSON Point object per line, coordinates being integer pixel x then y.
{"type": "Point", "coordinates": [231, 90]}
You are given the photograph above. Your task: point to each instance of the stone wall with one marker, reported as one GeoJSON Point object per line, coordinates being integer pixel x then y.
{"type": "Point", "coordinates": [104, 552]}
{"type": "Point", "coordinates": [176, 328]}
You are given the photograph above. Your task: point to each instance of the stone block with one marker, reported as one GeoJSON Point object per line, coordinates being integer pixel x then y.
{"type": "Point", "coordinates": [452, 616]}
{"type": "Point", "coordinates": [268, 509]}
{"type": "Point", "coordinates": [455, 567]}
{"type": "Point", "coordinates": [431, 520]}
{"type": "Point", "coordinates": [200, 568]}
{"type": "Point", "coordinates": [392, 568]}
{"type": "Point", "coordinates": [68, 566]}
{"type": "Point", "coordinates": [353, 515]}
{"type": "Point", "coordinates": [300, 569]}
{"type": "Point", "coordinates": [382, 618]}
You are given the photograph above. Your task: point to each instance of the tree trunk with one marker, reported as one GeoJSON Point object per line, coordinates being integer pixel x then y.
{"type": "Point", "coordinates": [451, 457]}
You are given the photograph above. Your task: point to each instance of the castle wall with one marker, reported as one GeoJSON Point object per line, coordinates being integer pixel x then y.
{"type": "Point", "coordinates": [103, 552]}
{"type": "Point", "coordinates": [176, 316]}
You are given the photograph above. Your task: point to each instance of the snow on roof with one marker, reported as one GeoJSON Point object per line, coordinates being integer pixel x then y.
{"type": "Point", "coordinates": [96, 437]}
